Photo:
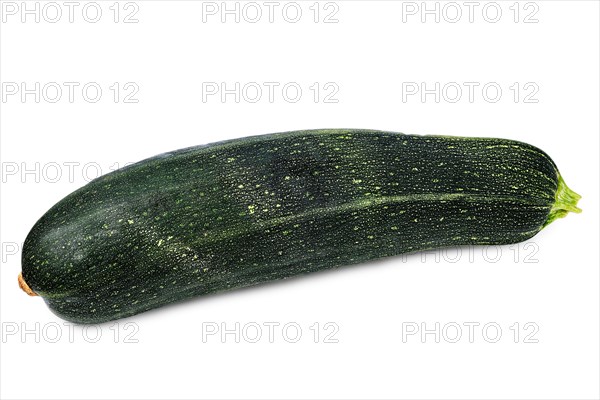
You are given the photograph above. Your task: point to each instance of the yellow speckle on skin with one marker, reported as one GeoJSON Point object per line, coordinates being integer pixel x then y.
{"type": "Point", "coordinates": [356, 181]}
{"type": "Point", "coordinates": [160, 242]}
{"type": "Point", "coordinates": [251, 208]}
{"type": "Point", "coordinates": [130, 221]}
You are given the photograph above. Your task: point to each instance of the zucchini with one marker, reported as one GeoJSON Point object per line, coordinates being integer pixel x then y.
{"type": "Point", "coordinates": [237, 213]}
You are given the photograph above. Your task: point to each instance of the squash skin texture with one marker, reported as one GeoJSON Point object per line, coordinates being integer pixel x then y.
{"type": "Point", "coordinates": [237, 213]}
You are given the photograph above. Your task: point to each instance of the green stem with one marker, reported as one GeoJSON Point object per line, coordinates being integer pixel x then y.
{"type": "Point", "coordinates": [566, 201]}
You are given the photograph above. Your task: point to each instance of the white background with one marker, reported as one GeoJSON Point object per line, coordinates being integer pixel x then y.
{"type": "Point", "coordinates": [372, 54]}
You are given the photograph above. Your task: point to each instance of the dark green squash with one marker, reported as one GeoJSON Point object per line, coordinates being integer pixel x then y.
{"type": "Point", "coordinates": [237, 213]}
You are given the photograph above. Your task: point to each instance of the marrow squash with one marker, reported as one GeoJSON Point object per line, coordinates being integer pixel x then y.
{"type": "Point", "coordinates": [240, 212]}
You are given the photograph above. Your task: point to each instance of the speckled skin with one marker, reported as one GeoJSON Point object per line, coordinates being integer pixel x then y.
{"type": "Point", "coordinates": [241, 212]}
